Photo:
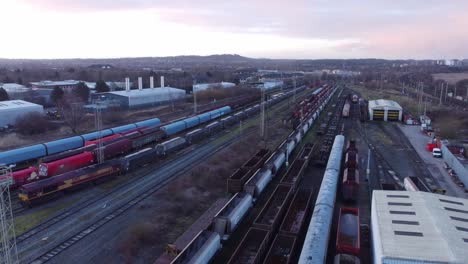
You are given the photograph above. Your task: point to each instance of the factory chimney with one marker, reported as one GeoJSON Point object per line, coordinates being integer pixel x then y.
{"type": "Point", "coordinates": [151, 82]}
{"type": "Point", "coordinates": [162, 81]}
{"type": "Point", "coordinates": [127, 84]}
{"type": "Point", "coordinates": [140, 83]}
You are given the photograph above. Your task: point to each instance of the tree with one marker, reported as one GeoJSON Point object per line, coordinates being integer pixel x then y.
{"type": "Point", "coordinates": [4, 95]}
{"type": "Point", "coordinates": [102, 87]}
{"type": "Point", "coordinates": [31, 124]}
{"type": "Point", "coordinates": [56, 95]}
{"type": "Point", "coordinates": [82, 92]}
{"type": "Point", "coordinates": [72, 111]}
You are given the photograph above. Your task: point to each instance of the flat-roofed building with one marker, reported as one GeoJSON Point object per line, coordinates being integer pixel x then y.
{"type": "Point", "coordinates": [385, 110]}
{"type": "Point", "coordinates": [418, 227]}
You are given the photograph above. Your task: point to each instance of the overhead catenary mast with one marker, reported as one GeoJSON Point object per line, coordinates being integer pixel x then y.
{"type": "Point", "coordinates": [8, 250]}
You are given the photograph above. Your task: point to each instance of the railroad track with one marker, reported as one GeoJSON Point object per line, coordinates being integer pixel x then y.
{"type": "Point", "coordinates": [148, 190]}
{"type": "Point", "coordinates": [170, 173]}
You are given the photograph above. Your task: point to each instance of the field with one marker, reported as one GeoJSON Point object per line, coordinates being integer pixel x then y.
{"type": "Point", "coordinates": [451, 78]}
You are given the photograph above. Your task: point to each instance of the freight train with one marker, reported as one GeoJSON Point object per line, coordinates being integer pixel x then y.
{"type": "Point", "coordinates": [256, 242]}
{"type": "Point", "coordinates": [350, 183]}
{"type": "Point", "coordinates": [44, 188]}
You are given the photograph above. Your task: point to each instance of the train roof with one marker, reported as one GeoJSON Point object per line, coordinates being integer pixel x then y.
{"type": "Point", "coordinates": [419, 227]}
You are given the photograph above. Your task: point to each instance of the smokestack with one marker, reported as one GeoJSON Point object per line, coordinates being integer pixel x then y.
{"type": "Point", "coordinates": [140, 83]}
{"type": "Point", "coordinates": [127, 84]}
{"type": "Point", "coordinates": [162, 81]}
{"type": "Point", "coordinates": [151, 82]}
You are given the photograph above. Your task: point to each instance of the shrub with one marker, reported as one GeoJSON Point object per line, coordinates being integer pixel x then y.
{"type": "Point", "coordinates": [31, 124]}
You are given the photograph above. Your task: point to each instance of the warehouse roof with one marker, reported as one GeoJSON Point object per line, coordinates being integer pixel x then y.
{"type": "Point", "coordinates": [15, 104]}
{"type": "Point", "coordinates": [382, 103]}
{"type": "Point", "coordinates": [204, 86]}
{"type": "Point", "coordinates": [420, 226]}
{"type": "Point", "coordinates": [55, 83]}
{"type": "Point", "coordinates": [148, 92]}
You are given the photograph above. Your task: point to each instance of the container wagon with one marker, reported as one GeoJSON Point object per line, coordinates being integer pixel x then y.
{"type": "Point", "coordinates": [200, 250]}
{"type": "Point", "coordinates": [138, 159]}
{"type": "Point", "coordinates": [194, 136]}
{"type": "Point", "coordinates": [170, 146]}
{"type": "Point", "coordinates": [227, 219]}
{"type": "Point", "coordinates": [65, 165]}
{"type": "Point", "coordinates": [350, 185]}
{"type": "Point", "coordinates": [36, 191]}
{"type": "Point", "coordinates": [281, 250]}
{"type": "Point", "coordinates": [294, 222]}
{"type": "Point", "coordinates": [273, 211]}
{"type": "Point", "coordinates": [346, 259]}
{"type": "Point", "coordinates": [252, 247]}
{"type": "Point", "coordinates": [347, 236]}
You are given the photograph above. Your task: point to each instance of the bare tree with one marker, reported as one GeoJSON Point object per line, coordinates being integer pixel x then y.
{"type": "Point", "coordinates": [73, 112]}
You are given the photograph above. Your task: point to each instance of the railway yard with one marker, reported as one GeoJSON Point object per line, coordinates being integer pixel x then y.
{"type": "Point", "coordinates": [211, 188]}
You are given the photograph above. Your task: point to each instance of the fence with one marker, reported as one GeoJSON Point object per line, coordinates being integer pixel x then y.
{"type": "Point", "coordinates": [455, 164]}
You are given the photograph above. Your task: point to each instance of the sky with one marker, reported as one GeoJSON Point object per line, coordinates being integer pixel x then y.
{"type": "Point", "coordinates": [294, 29]}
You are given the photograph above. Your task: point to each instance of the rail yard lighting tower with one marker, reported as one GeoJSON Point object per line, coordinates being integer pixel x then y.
{"type": "Point", "coordinates": [8, 253]}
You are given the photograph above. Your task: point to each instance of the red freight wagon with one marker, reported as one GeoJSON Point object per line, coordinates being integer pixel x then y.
{"type": "Point", "coordinates": [65, 165]}
{"type": "Point", "coordinates": [347, 236]}
{"type": "Point", "coordinates": [104, 139]}
{"type": "Point", "coordinates": [350, 186]}
{"type": "Point", "coordinates": [117, 148]}
{"type": "Point", "coordinates": [22, 177]}
{"type": "Point", "coordinates": [351, 159]}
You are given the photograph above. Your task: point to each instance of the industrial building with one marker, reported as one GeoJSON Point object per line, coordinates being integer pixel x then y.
{"type": "Point", "coordinates": [11, 110]}
{"type": "Point", "coordinates": [143, 97]}
{"type": "Point", "coordinates": [385, 110]}
{"type": "Point", "coordinates": [418, 227]}
{"type": "Point", "coordinates": [66, 85]}
{"type": "Point", "coordinates": [205, 86]}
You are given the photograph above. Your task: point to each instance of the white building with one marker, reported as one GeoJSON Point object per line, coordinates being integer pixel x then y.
{"type": "Point", "coordinates": [11, 110]}
{"type": "Point", "coordinates": [144, 97]}
{"type": "Point", "coordinates": [205, 86]}
{"type": "Point", "coordinates": [385, 110]}
{"type": "Point", "coordinates": [418, 227]}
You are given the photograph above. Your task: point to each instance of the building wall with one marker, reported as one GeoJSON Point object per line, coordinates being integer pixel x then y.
{"type": "Point", "coordinates": [9, 116]}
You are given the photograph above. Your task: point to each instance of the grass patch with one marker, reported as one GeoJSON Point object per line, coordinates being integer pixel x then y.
{"type": "Point", "coordinates": [27, 221]}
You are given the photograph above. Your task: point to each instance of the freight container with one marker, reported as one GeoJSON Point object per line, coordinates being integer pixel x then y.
{"type": "Point", "coordinates": [252, 247]}
{"type": "Point", "coordinates": [21, 177]}
{"type": "Point", "coordinates": [204, 117]}
{"type": "Point", "coordinates": [65, 165]}
{"type": "Point", "coordinates": [104, 139]}
{"type": "Point", "coordinates": [294, 221]}
{"type": "Point", "coordinates": [173, 128]}
{"type": "Point", "coordinates": [116, 149]}
{"type": "Point", "coordinates": [227, 219]}
{"type": "Point", "coordinates": [169, 146]}
{"type": "Point", "coordinates": [146, 139]}
{"type": "Point", "coordinates": [192, 121]}
{"type": "Point", "coordinates": [273, 211]}
{"type": "Point", "coordinates": [350, 186]}
{"type": "Point", "coordinates": [213, 128]}
{"type": "Point", "coordinates": [258, 182]}
{"type": "Point", "coordinates": [148, 123]}
{"type": "Point", "coordinates": [123, 128]}
{"type": "Point", "coordinates": [139, 159]}
{"type": "Point", "coordinates": [65, 144]}
{"type": "Point", "coordinates": [23, 154]}
{"type": "Point", "coordinates": [94, 135]}
{"type": "Point", "coordinates": [347, 236]}
{"type": "Point", "coordinates": [200, 250]}
{"type": "Point", "coordinates": [195, 135]}
{"type": "Point", "coordinates": [281, 250]}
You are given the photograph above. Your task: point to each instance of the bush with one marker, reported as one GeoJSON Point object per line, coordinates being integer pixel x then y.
{"type": "Point", "coordinates": [31, 124]}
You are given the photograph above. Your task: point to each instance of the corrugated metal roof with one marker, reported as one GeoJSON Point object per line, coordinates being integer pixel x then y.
{"type": "Point", "coordinates": [419, 226]}
{"type": "Point", "coordinates": [382, 103]}
{"type": "Point", "coordinates": [55, 83]}
{"type": "Point", "coordinates": [148, 92]}
{"type": "Point", "coordinates": [16, 104]}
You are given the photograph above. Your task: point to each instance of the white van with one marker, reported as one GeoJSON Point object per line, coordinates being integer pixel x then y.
{"type": "Point", "coordinates": [437, 153]}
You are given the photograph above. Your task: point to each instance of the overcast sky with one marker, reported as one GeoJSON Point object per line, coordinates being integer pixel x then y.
{"type": "Point", "coordinates": [309, 29]}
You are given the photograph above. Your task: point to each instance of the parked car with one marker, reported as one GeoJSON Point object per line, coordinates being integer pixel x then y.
{"type": "Point", "coordinates": [437, 153]}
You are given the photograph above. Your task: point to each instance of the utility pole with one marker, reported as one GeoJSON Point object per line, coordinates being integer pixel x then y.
{"type": "Point", "coordinates": [8, 250]}
{"type": "Point", "coordinates": [441, 92]}
{"type": "Point", "coordinates": [262, 125]}
{"type": "Point", "coordinates": [98, 125]}
{"type": "Point", "coordinates": [446, 91]}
